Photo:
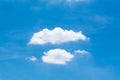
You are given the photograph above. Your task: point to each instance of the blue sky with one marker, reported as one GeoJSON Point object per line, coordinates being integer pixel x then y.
{"type": "Point", "coordinates": [59, 40]}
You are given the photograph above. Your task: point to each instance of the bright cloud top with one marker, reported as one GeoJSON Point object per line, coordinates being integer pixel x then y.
{"type": "Point", "coordinates": [56, 36]}
{"type": "Point", "coordinates": [57, 56]}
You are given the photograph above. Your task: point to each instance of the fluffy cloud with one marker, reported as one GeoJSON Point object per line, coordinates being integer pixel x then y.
{"type": "Point", "coordinates": [56, 36]}
{"type": "Point", "coordinates": [57, 56]}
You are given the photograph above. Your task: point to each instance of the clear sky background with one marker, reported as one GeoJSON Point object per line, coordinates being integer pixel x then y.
{"type": "Point", "coordinates": [96, 58]}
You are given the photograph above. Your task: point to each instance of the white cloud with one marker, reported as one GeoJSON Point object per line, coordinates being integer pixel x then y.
{"type": "Point", "coordinates": [32, 58]}
{"type": "Point", "coordinates": [56, 36]}
{"type": "Point", "coordinates": [81, 51]}
{"type": "Point", "coordinates": [57, 56]}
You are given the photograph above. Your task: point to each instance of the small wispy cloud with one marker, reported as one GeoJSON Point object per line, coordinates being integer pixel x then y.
{"type": "Point", "coordinates": [65, 1]}
{"type": "Point", "coordinates": [32, 58]}
{"type": "Point", "coordinates": [11, 57]}
{"type": "Point", "coordinates": [57, 56]}
{"type": "Point", "coordinates": [101, 19]}
{"type": "Point", "coordinates": [13, 1]}
{"type": "Point", "coordinates": [70, 1]}
{"type": "Point", "coordinates": [56, 36]}
{"type": "Point", "coordinates": [81, 52]}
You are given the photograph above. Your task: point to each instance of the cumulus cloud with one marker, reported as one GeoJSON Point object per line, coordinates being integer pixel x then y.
{"type": "Point", "coordinates": [57, 56]}
{"type": "Point", "coordinates": [56, 36]}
